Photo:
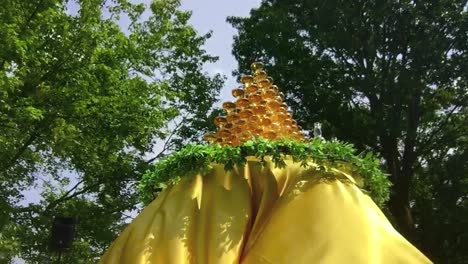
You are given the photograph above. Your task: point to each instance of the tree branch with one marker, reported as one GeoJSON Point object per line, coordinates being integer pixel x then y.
{"type": "Point", "coordinates": [67, 196]}
{"type": "Point", "coordinates": [409, 155]}
{"type": "Point", "coordinates": [34, 135]}
{"type": "Point", "coordinates": [167, 144]}
{"type": "Point", "coordinates": [442, 124]}
{"type": "Point", "coordinates": [72, 189]}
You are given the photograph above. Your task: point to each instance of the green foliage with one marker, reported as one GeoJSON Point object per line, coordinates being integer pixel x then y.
{"type": "Point", "coordinates": [82, 103]}
{"type": "Point", "coordinates": [197, 158]}
{"type": "Point", "coordinates": [390, 76]}
{"type": "Point", "coordinates": [441, 203]}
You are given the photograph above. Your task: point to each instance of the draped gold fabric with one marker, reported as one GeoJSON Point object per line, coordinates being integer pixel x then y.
{"type": "Point", "coordinates": [258, 214]}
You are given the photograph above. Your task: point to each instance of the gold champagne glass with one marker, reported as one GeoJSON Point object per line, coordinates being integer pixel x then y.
{"type": "Point", "coordinates": [274, 105]}
{"type": "Point", "coordinates": [245, 114]}
{"type": "Point", "coordinates": [237, 92]}
{"type": "Point", "coordinates": [229, 106]}
{"type": "Point", "coordinates": [256, 66]}
{"type": "Point", "coordinates": [265, 83]}
{"type": "Point", "coordinates": [284, 107]}
{"type": "Point", "coordinates": [287, 122]}
{"type": "Point", "coordinates": [260, 75]}
{"type": "Point", "coordinates": [241, 103]}
{"type": "Point", "coordinates": [247, 80]}
{"type": "Point", "coordinates": [255, 98]}
{"type": "Point", "coordinates": [241, 122]}
{"type": "Point", "coordinates": [210, 137]}
{"type": "Point", "coordinates": [224, 133]}
{"type": "Point", "coordinates": [275, 127]}
{"type": "Point", "coordinates": [228, 125]}
{"type": "Point", "coordinates": [260, 110]}
{"type": "Point", "coordinates": [266, 122]}
{"type": "Point", "coordinates": [251, 88]}
{"type": "Point", "coordinates": [280, 94]}
{"type": "Point", "coordinates": [269, 134]}
{"type": "Point", "coordinates": [254, 119]}
{"type": "Point", "coordinates": [232, 118]}
{"type": "Point", "coordinates": [269, 94]}
{"type": "Point", "coordinates": [274, 88]}
{"type": "Point", "coordinates": [220, 120]}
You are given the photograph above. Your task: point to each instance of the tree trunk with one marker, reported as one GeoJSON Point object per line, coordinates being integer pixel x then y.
{"type": "Point", "coordinates": [401, 212]}
{"type": "Point", "coordinates": [399, 202]}
{"type": "Point", "coordinates": [399, 198]}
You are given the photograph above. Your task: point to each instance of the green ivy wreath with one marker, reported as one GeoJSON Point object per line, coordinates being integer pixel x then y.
{"type": "Point", "coordinates": [195, 158]}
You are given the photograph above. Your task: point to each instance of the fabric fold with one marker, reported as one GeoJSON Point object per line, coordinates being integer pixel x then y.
{"type": "Point", "coordinates": [263, 214]}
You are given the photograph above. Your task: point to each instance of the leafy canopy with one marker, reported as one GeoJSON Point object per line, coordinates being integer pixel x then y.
{"type": "Point", "coordinates": [390, 76]}
{"type": "Point", "coordinates": [88, 89]}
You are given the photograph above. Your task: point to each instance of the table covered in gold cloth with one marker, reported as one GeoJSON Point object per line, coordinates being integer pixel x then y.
{"type": "Point", "coordinates": [261, 214]}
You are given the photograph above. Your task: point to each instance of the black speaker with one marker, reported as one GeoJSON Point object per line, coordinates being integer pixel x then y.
{"type": "Point", "coordinates": [62, 234]}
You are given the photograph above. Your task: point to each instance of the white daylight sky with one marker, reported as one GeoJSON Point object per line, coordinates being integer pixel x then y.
{"type": "Point", "coordinates": [211, 15]}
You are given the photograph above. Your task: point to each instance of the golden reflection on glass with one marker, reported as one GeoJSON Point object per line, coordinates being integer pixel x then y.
{"type": "Point", "coordinates": [209, 137]}
{"type": "Point", "coordinates": [269, 94]}
{"type": "Point", "coordinates": [232, 118]}
{"type": "Point", "coordinates": [256, 66]}
{"type": "Point", "coordinates": [237, 130]}
{"type": "Point", "coordinates": [257, 132]}
{"type": "Point", "coordinates": [229, 106]}
{"type": "Point", "coordinates": [219, 120]}
{"type": "Point", "coordinates": [241, 122]}
{"type": "Point", "coordinates": [281, 95]}
{"type": "Point", "coordinates": [241, 103]}
{"type": "Point", "coordinates": [238, 92]}
{"type": "Point", "coordinates": [279, 117]}
{"type": "Point", "coordinates": [287, 122]}
{"type": "Point", "coordinates": [254, 119]}
{"type": "Point", "coordinates": [251, 88]}
{"type": "Point", "coordinates": [247, 80]}
{"type": "Point", "coordinates": [259, 110]}
{"type": "Point", "coordinates": [259, 76]}
{"type": "Point", "coordinates": [264, 83]}
{"type": "Point", "coordinates": [255, 98]}
{"type": "Point", "coordinates": [274, 126]}
{"type": "Point", "coordinates": [245, 114]}
{"type": "Point", "coordinates": [274, 105]}
{"type": "Point", "coordinates": [270, 134]}
{"type": "Point", "coordinates": [224, 133]}
{"type": "Point", "coordinates": [228, 125]}
{"type": "Point", "coordinates": [265, 122]}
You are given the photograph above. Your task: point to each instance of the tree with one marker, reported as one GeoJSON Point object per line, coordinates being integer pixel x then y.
{"type": "Point", "coordinates": [82, 104]}
{"type": "Point", "coordinates": [390, 76]}
{"type": "Point", "coordinates": [440, 197]}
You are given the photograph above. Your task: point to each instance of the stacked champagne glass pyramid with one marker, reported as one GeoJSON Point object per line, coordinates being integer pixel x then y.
{"type": "Point", "coordinates": [259, 111]}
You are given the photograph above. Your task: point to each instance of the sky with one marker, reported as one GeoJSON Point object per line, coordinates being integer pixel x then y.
{"type": "Point", "coordinates": [211, 15]}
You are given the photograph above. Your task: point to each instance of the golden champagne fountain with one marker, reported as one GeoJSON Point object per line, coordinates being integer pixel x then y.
{"type": "Point", "coordinates": [259, 110]}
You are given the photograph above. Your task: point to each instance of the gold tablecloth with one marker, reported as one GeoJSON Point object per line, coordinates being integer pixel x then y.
{"type": "Point", "coordinates": [261, 214]}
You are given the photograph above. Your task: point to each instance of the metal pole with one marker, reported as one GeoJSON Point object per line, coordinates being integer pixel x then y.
{"type": "Point", "coordinates": [59, 259]}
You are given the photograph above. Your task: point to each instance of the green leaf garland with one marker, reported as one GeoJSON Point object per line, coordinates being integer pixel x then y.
{"type": "Point", "coordinates": [194, 159]}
